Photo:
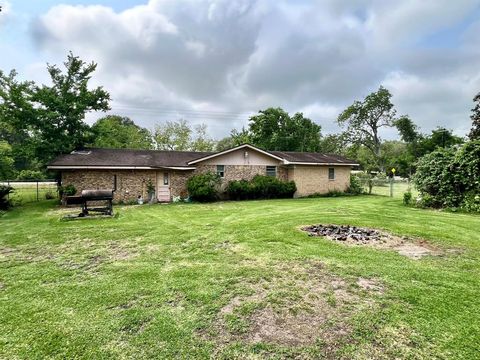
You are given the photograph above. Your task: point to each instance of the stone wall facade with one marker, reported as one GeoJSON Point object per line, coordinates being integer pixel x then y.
{"type": "Point", "coordinates": [314, 179]}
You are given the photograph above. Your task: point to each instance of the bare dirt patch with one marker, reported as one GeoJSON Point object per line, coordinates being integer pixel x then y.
{"type": "Point", "coordinates": [357, 236]}
{"type": "Point", "coordinates": [298, 306]}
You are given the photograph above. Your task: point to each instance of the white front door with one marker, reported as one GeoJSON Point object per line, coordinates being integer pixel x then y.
{"type": "Point", "coordinates": [163, 186]}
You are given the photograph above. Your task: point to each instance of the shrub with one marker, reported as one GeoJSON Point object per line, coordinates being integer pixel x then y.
{"type": "Point", "coordinates": [67, 190]}
{"type": "Point", "coordinates": [261, 187]}
{"type": "Point", "coordinates": [31, 175]}
{"type": "Point", "coordinates": [4, 201]}
{"type": "Point", "coordinates": [407, 198]}
{"type": "Point", "coordinates": [49, 195]}
{"type": "Point", "coordinates": [450, 177]}
{"type": "Point", "coordinates": [355, 187]}
{"type": "Point", "coordinates": [203, 187]}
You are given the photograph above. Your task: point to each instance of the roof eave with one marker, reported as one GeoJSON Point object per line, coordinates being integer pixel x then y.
{"type": "Point", "coordinates": [234, 149]}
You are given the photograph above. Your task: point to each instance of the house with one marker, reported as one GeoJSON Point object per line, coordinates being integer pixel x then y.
{"type": "Point", "coordinates": [129, 171]}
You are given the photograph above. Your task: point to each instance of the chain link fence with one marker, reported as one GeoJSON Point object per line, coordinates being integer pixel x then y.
{"type": "Point", "coordinates": [26, 191]}
{"type": "Point", "coordinates": [395, 187]}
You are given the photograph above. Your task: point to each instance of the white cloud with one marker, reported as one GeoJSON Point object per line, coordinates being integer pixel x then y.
{"type": "Point", "coordinates": [6, 12]}
{"type": "Point", "coordinates": [201, 59]}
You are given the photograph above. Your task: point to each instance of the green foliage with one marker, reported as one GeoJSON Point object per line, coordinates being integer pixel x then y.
{"type": "Point", "coordinates": [49, 195]}
{"type": "Point", "coordinates": [363, 119]}
{"type": "Point", "coordinates": [203, 187]}
{"type": "Point", "coordinates": [31, 175]}
{"type": "Point", "coordinates": [120, 132]}
{"type": "Point", "coordinates": [355, 187]}
{"type": "Point", "coordinates": [275, 129]}
{"type": "Point", "coordinates": [180, 136]}
{"type": "Point", "coordinates": [60, 122]}
{"type": "Point", "coordinates": [67, 190]}
{"type": "Point", "coordinates": [5, 190]}
{"type": "Point", "coordinates": [407, 198]}
{"type": "Point", "coordinates": [150, 186]}
{"type": "Point", "coordinates": [7, 168]}
{"type": "Point", "coordinates": [260, 187]}
{"type": "Point", "coordinates": [475, 131]}
{"type": "Point", "coordinates": [41, 122]}
{"type": "Point", "coordinates": [407, 129]}
{"type": "Point", "coordinates": [450, 176]}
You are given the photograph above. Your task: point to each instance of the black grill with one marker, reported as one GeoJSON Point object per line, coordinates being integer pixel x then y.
{"type": "Point", "coordinates": [91, 196]}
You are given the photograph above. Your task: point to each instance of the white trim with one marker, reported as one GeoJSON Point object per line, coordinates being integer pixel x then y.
{"type": "Point", "coordinates": [320, 164]}
{"type": "Point", "coordinates": [75, 167]}
{"type": "Point", "coordinates": [234, 149]}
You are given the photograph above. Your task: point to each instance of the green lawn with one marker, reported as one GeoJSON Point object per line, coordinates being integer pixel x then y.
{"type": "Point", "coordinates": [236, 280]}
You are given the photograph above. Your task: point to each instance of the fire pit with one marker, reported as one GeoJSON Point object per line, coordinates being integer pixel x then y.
{"type": "Point", "coordinates": [89, 196]}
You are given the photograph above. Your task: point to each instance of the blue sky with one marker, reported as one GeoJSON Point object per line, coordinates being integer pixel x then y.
{"type": "Point", "coordinates": [219, 61]}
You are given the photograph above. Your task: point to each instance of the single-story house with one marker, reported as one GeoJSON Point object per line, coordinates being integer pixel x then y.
{"type": "Point", "coordinates": [129, 171]}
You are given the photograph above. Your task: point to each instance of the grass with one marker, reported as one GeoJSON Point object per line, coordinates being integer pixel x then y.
{"type": "Point", "coordinates": [25, 192]}
{"type": "Point", "coordinates": [196, 281]}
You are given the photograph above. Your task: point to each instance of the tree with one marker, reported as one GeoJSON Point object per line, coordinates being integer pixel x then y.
{"type": "Point", "coordinates": [7, 169]}
{"type": "Point", "coordinates": [201, 141]}
{"type": "Point", "coordinates": [179, 136]}
{"type": "Point", "coordinates": [364, 119]}
{"type": "Point", "coordinates": [236, 138]}
{"type": "Point", "coordinates": [439, 138]}
{"type": "Point", "coordinates": [119, 132]}
{"type": "Point", "coordinates": [17, 115]}
{"type": "Point", "coordinates": [475, 131]}
{"type": "Point", "coordinates": [407, 129]}
{"type": "Point", "coordinates": [62, 107]}
{"type": "Point", "coordinates": [274, 129]}
{"type": "Point", "coordinates": [332, 144]}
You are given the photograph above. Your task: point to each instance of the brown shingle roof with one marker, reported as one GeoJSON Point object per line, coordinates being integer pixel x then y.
{"type": "Point", "coordinates": [127, 158]}
{"type": "Point", "coordinates": [157, 158]}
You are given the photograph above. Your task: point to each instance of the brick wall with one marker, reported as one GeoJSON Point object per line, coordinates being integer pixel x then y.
{"type": "Point", "coordinates": [130, 183]}
{"type": "Point", "coordinates": [314, 179]}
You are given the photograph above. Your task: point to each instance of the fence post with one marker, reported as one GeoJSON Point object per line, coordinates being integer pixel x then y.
{"type": "Point", "coordinates": [391, 187]}
{"type": "Point", "coordinates": [37, 190]}
{"type": "Point", "coordinates": [8, 195]}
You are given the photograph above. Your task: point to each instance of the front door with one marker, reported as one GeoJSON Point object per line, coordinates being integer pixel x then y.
{"type": "Point", "coordinates": [163, 186]}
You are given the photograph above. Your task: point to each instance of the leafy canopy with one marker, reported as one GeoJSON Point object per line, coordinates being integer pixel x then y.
{"type": "Point", "coordinates": [363, 120]}
{"type": "Point", "coordinates": [120, 132]}
{"type": "Point", "coordinates": [274, 129]}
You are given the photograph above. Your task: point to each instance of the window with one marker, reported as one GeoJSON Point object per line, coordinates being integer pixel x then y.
{"type": "Point", "coordinates": [331, 173]}
{"type": "Point", "coordinates": [165, 178]}
{"type": "Point", "coordinates": [272, 171]}
{"type": "Point", "coordinates": [114, 182]}
{"type": "Point", "coordinates": [221, 170]}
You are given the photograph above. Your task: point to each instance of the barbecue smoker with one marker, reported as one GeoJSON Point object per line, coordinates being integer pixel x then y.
{"type": "Point", "coordinates": [87, 196]}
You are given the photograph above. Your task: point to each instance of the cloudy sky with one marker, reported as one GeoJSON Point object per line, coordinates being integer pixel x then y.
{"type": "Point", "coordinates": [219, 61]}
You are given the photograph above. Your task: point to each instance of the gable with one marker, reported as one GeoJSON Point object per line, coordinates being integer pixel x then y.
{"type": "Point", "coordinates": [241, 156]}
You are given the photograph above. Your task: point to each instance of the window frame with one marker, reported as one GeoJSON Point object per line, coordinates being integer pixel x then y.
{"type": "Point", "coordinates": [331, 170]}
{"type": "Point", "coordinates": [221, 173]}
{"type": "Point", "coordinates": [274, 170]}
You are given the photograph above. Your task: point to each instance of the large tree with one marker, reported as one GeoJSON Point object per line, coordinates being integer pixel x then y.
{"type": "Point", "coordinates": [17, 116]}
{"type": "Point", "coordinates": [120, 132]}
{"type": "Point", "coordinates": [7, 169]}
{"type": "Point", "coordinates": [62, 107]}
{"type": "Point", "coordinates": [274, 129]}
{"type": "Point", "coordinates": [180, 136]}
{"type": "Point", "coordinates": [363, 120]}
{"type": "Point", "coordinates": [475, 131]}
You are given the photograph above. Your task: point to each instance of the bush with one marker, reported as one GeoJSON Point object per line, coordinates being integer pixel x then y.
{"type": "Point", "coordinates": [261, 187]}
{"type": "Point", "coordinates": [49, 195]}
{"type": "Point", "coordinates": [355, 187]}
{"type": "Point", "coordinates": [31, 175]}
{"type": "Point", "coordinates": [407, 198]}
{"type": "Point", "coordinates": [68, 190]}
{"type": "Point", "coordinates": [4, 201]}
{"type": "Point", "coordinates": [450, 178]}
{"type": "Point", "coordinates": [203, 187]}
